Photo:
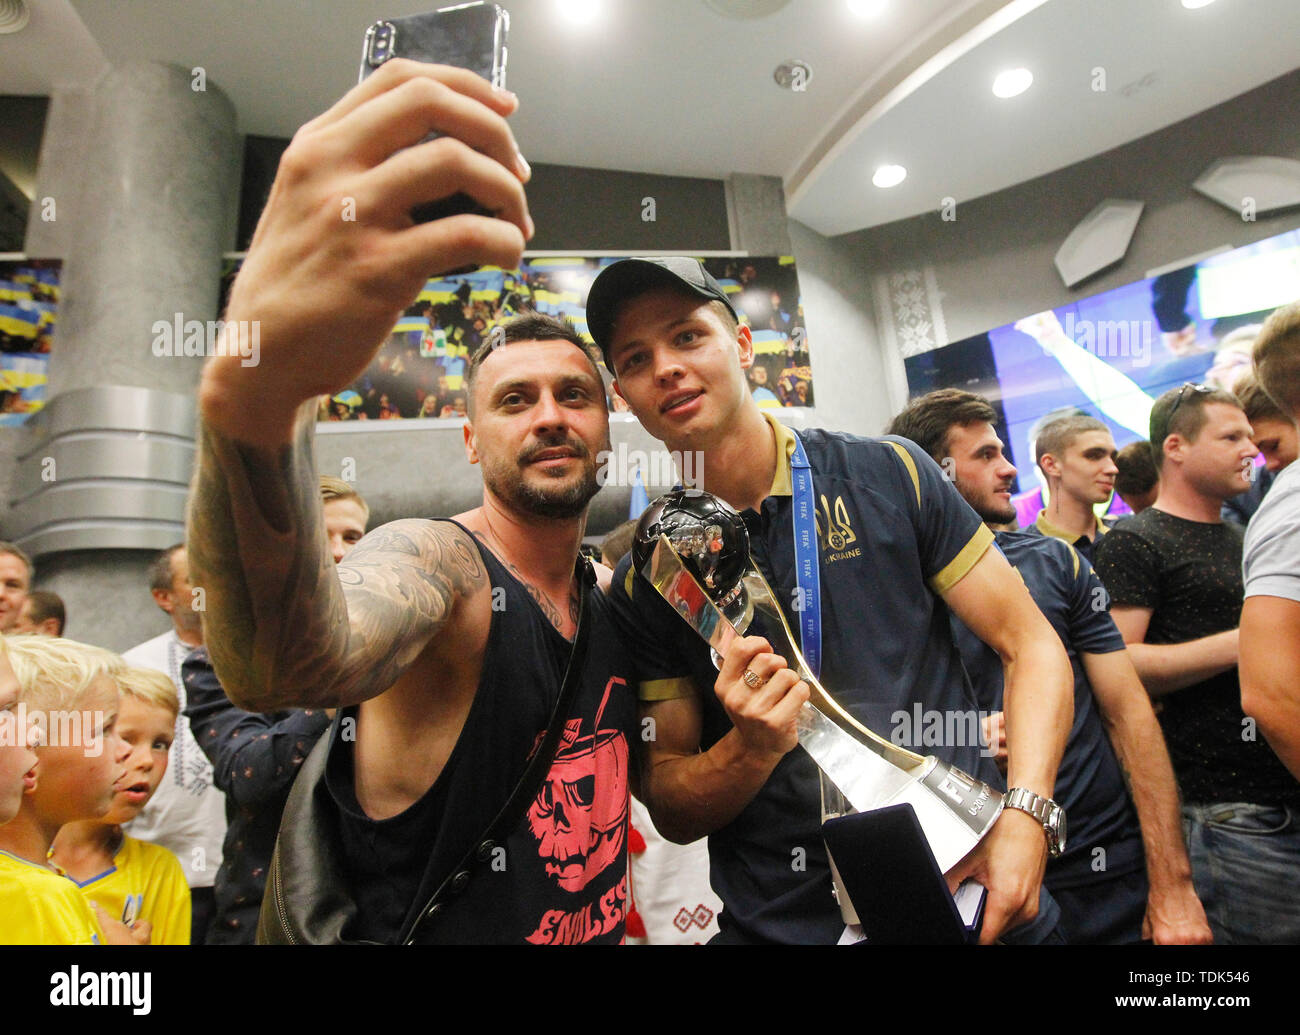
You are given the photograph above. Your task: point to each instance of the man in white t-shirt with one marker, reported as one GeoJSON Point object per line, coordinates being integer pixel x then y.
{"type": "Point", "coordinates": [1270, 618]}
{"type": "Point", "coordinates": [187, 814]}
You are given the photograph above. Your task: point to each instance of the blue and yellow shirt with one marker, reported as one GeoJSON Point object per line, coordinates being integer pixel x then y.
{"type": "Point", "coordinates": [39, 907]}
{"type": "Point", "coordinates": [1089, 784]}
{"type": "Point", "coordinates": [893, 535]}
{"type": "Point", "coordinates": [1085, 545]}
{"type": "Point", "coordinates": [146, 882]}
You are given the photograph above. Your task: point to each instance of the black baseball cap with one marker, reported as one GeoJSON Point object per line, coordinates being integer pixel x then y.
{"type": "Point", "coordinates": [623, 280]}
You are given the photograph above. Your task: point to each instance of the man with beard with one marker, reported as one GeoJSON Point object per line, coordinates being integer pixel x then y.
{"type": "Point", "coordinates": [443, 643]}
{"type": "Point", "coordinates": [1099, 882]}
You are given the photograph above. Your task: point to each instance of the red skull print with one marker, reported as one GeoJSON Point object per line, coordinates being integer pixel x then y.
{"type": "Point", "coordinates": [578, 833]}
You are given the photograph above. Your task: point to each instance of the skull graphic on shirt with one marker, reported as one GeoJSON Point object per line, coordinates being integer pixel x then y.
{"type": "Point", "coordinates": [580, 832]}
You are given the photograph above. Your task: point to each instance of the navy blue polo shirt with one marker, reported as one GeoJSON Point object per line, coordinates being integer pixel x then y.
{"type": "Point", "coordinates": [1087, 547]}
{"type": "Point", "coordinates": [1089, 784]}
{"type": "Point", "coordinates": [893, 534]}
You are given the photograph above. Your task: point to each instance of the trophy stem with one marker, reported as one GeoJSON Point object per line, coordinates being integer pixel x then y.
{"type": "Point", "coordinates": [954, 809]}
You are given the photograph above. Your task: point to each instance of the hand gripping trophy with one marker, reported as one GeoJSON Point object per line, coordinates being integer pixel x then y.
{"type": "Point", "coordinates": [694, 549]}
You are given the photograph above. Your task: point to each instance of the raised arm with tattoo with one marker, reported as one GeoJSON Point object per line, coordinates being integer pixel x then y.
{"type": "Point", "coordinates": [325, 291]}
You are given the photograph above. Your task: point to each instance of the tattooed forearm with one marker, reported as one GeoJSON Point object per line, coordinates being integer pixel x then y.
{"type": "Point", "coordinates": [283, 625]}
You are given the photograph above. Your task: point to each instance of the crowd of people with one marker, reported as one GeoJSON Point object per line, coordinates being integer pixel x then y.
{"type": "Point", "coordinates": [427, 733]}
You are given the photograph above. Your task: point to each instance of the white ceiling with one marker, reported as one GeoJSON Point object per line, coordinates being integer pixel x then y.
{"type": "Point", "coordinates": [670, 86]}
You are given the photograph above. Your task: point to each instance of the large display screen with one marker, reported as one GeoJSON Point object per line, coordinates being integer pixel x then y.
{"type": "Point", "coordinates": [1112, 355]}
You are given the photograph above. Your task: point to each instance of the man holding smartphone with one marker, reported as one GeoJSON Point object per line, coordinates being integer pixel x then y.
{"type": "Point", "coordinates": [410, 630]}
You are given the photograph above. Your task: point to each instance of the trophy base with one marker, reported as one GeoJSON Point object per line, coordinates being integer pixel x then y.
{"type": "Point", "coordinates": [891, 885]}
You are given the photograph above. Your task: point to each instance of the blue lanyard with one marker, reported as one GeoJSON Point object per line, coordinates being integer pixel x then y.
{"type": "Point", "coordinates": [807, 571]}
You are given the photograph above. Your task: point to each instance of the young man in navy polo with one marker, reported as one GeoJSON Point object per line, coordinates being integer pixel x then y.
{"type": "Point", "coordinates": [895, 542]}
{"type": "Point", "coordinates": [1106, 894]}
{"type": "Point", "coordinates": [1077, 457]}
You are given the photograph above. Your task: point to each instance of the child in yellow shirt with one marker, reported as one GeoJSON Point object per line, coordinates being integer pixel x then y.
{"type": "Point", "coordinates": [17, 738]}
{"type": "Point", "coordinates": [68, 690]}
{"type": "Point", "coordinates": [130, 879]}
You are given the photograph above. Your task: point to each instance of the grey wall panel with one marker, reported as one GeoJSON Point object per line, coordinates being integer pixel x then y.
{"type": "Point", "coordinates": [105, 468]}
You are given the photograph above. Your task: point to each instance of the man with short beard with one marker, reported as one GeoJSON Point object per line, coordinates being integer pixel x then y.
{"type": "Point", "coordinates": [457, 636]}
{"type": "Point", "coordinates": [443, 643]}
{"type": "Point", "coordinates": [1100, 884]}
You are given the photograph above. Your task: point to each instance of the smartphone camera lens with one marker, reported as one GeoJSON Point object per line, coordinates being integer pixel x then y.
{"type": "Point", "coordinates": [381, 43]}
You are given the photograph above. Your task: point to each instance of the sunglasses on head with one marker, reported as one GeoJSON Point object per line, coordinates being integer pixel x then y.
{"type": "Point", "coordinates": [1198, 389]}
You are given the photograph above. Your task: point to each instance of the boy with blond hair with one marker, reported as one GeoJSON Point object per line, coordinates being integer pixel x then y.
{"type": "Point", "coordinates": [17, 759]}
{"type": "Point", "coordinates": [68, 690]}
{"type": "Point", "coordinates": [133, 880]}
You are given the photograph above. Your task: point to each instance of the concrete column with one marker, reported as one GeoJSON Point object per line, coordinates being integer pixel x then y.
{"type": "Point", "coordinates": [756, 214]}
{"type": "Point", "coordinates": [143, 172]}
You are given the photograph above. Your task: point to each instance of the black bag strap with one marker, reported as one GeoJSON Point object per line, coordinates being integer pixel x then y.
{"type": "Point", "coordinates": [512, 812]}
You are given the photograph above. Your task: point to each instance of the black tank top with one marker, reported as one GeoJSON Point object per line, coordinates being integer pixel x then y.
{"type": "Point", "coordinates": [561, 878]}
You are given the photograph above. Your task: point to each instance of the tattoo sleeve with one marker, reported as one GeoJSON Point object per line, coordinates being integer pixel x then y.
{"type": "Point", "coordinates": [284, 626]}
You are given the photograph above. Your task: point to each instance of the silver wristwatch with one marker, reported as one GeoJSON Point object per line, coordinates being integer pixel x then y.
{"type": "Point", "coordinates": [1046, 811]}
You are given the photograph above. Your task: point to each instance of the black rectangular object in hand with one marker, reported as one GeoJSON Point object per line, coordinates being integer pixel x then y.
{"type": "Point", "coordinates": [890, 875]}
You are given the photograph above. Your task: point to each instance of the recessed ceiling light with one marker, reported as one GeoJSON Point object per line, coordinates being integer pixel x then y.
{"type": "Point", "coordinates": [13, 15]}
{"type": "Point", "coordinates": [1012, 82]}
{"type": "Point", "coordinates": [866, 8]}
{"type": "Point", "coordinates": [579, 12]}
{"type": "Point", "coordinates": [1192, 5]}
{"type": "Point", "coordinates": [889, 176]}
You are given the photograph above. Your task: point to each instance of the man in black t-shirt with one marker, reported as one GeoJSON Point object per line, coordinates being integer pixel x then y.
{"type": "Point", "coordinates": [1174, 576]}
{"type": "Point", "coordinates": [1100, 884]}
{"type": "Point", "coordinates": [896, 547]}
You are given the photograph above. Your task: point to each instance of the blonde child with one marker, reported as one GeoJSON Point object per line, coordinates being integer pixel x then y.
{"type": "Point", "coordinates": [68, 690]}
{"type": "Point", "coordinates": [133, 880]}
{"type": "Point", "coordinates": [17, 737]}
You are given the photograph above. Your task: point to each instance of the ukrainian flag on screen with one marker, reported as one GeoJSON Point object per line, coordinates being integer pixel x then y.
{"type": "Point", "coordinates": [20, 321]}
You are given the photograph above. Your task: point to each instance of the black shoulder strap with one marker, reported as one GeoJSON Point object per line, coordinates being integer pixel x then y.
{"type": "Point", "coordinates": [512, 813]}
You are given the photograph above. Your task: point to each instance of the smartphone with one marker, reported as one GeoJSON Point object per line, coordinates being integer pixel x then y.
{"type": "Point", "coordinates": [471, 36]}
